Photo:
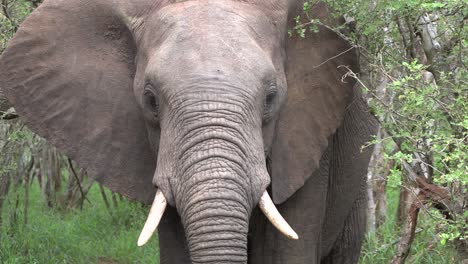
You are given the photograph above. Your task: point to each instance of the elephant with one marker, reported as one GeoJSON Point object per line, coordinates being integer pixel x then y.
{"type": "Point", "coordinates": [246, 141]}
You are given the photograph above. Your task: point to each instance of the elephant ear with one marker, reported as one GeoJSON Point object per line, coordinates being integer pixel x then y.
{"type": "Point", "coordinates": [68, 72]}
{"type": "Point", "coordinates": [316, 102]}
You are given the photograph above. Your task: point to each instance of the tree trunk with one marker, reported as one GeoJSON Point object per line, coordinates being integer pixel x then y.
{"type": "Point", "coordinates": [414, 200]}
{"type": "Point", "coordinates": [75, 193]}
{"type": "Point", "coordinates": [370, 203]}
{"type": "Point", "coordinates": [381, 194]}
{"type": "Point", "coordinates": [114, 200]}
{"type": "Point", "coordinates": [377, 186]}
{"type": "Point", "coordinates": [104, 196]}
{"type": "Point", "coordinates": [4, 188]}
{"type": "Point", "coordinates": [27, 185]}
{"type": "Point", "coordinates": [4, 103]}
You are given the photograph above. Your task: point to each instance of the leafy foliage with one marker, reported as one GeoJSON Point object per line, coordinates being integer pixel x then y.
{"type": "Point", "coordinates": [380, 246]}
{"type": "Point", "coordinates": [413, 57]}
{"type": "Point", "coordinates": [13, 13]}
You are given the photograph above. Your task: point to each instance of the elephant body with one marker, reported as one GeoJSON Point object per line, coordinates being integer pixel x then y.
{"type": "Point", "coordinates": [211, 108]}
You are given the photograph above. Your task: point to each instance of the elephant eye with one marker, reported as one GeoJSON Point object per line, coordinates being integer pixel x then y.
{"type": "Point", "coordinates": [150, 101]}
{"type": "Point", "coordinates": [269, 103]}
{"type": "Point", "coordinates": [270, 98]}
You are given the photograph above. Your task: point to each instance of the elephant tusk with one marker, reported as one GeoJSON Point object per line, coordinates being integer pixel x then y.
{"type": "Point", "coordinates": [270, 211]}
{"type": "Point", "coordinates": [154, 216]}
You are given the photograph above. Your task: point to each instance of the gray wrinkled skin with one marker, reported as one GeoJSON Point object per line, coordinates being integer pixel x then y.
{"type": "Point", "coordinates": [211, 102]}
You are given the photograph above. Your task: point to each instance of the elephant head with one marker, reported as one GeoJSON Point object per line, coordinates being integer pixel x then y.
{"type": "Point", "coordinates": [209, 102]}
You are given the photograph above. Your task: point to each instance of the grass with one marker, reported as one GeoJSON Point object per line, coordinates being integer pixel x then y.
{"type": "Point", "coordinates": [380, 247]}
{"type": "Point", "coordinates": [93, 235]}
{"type": "Point", "coordinates": [99, 235]}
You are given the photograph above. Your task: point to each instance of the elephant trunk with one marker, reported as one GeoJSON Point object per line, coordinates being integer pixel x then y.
{"type": "Point", "coordinates": [216, 183]}
{"type": "Point", "coordinates": [217, 227]}
{"type": "Point", "coordinates": [215, 200]}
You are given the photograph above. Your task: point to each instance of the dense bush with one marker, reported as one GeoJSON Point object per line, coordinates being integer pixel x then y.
{"type": "Point", "coordinates": [414, 75]}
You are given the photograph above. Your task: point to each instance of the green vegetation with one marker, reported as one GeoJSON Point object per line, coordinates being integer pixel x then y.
{"type": "Point", "coordinates": [100, 235]}
{"type": "Point", "coordinates": [380, 246]}
{"type": "Point", "coordinates": [413, 57]}
{"type": "Point", "coordinates": [13, 13]}
{"type": "Point", "coordinates": [95, 234]}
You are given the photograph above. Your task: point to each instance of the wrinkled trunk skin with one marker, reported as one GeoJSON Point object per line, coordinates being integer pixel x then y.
{"type": "Point", "coordinates": [216, 185]}
{"type": "Point", "coordinates": [215, 217]}
{"type": "Point", "coordinates": [214, 208]}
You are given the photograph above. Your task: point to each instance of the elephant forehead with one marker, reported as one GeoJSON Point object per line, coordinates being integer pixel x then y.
{"type": "Point", "coordinates": [202, 43]}
{"type": "Point", "coordinates": [210, 21]}
{"type": "Point", "coordinates": [210, 56]}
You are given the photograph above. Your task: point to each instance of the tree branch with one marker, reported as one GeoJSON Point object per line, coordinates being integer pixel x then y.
{"type": "Point", "coordinates": [83, 196]}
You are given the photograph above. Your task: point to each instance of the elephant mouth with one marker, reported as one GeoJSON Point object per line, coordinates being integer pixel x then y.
{"type": "Point", "coordinates": [266, 205]}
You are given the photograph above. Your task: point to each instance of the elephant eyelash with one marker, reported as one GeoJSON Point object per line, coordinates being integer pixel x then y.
{"type": "Point", "coordinates": [270, 98]}
{"type": "Point", "coordinates": [269, 103]}
{"type": "Point", "coordinates": [151, 101]}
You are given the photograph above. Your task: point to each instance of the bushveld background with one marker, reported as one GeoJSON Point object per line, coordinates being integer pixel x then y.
{"type": "Point", "coordinates": [414, 76]}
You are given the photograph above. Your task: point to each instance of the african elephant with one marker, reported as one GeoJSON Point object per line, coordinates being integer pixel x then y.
{"type": "Point", "coordinates": [212, 104]}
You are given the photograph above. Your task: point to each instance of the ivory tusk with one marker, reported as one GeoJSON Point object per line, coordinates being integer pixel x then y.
{"type": "Point", "coordinates": [270, 211]}
{"type": "Point", "coordinates": [154, 216]}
